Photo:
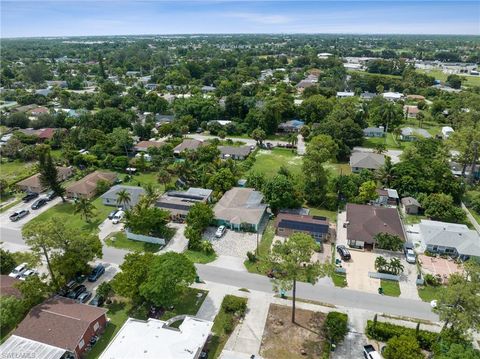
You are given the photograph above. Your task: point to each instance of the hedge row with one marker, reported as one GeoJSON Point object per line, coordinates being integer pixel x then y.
{"type": "Point", "coordinates": [384, 331]}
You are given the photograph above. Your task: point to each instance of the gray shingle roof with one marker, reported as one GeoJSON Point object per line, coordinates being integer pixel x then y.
{"type": "Point", "coordinates": [367, 160]}
{"type": "Point", "coordinates": [135, 193]}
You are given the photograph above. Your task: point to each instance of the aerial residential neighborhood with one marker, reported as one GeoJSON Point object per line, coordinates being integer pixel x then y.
{"type": "Point", "coordinates": [239, 180]}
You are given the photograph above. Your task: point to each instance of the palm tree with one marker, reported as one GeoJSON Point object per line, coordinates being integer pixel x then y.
{"type": "Point", "coordinates": [388, 114]}
{"type": "Point", "coordinates": [206, 247]}
{"type": "Point", "coordinates": [123, 198]}
{"type": "Point", "coordinates": [380, 263]}
{"type": "Point", "coordinates": [85, 208]}
{"type": "Point", "coordinates": [385, 174]}
{"type": "Point", "coordinates": [151, 194]}
{"type": "Point", "coordinates": [395, 266]}
{"type": "Point", "coordinates": [293, 139]}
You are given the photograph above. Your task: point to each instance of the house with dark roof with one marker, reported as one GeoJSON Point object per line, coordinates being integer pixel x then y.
{"type": "Point", "coordinates": [287, 224]}
{"type": "Point", "coordinates": [410, 205]}
{"type": "Point", "coordinates": [87, 186]}
{"type": "Point", "coordinates": [178, 203]}
{"type": "Point", "coordinates": [63, 324]}
{"type": "Point", "coordinates": [33, 183]}
{"type": "Point", "coordinates": [234, 152]}
{"type": "Point", "coordinates": [187, 144]}
{"type": "Point", "coordinates": [291, 126]}
{"type": "Point", "coordinates": [386, 197]}
{"type": "Point", "coordinates": [364, 222]}
{"type": "Point", "coordinates": [366, 161]}
{"type": "Point", "coordinates": [143, 146]}
{"type": "Point", "coordinates": [109, 198]}
{"type": "Point", "coordinates": [8, 286]}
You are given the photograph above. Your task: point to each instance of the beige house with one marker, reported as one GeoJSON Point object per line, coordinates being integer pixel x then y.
{"type": "Point", "coordinates": [87, 186]}
{"type": "Point", "coordinates": [33, 184]}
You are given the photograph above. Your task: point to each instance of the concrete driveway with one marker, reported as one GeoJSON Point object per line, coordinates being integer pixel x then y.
{"type": "Point", "coordinates": [357, 271]}
{"type": "Point", "coordinates": [5, 222]}
{"type": "Point", "coordinates": [234, 244]}
{"type": "Point", "coordinates": [107, 227]}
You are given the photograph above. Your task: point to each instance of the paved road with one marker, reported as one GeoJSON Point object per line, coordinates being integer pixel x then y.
{"type": "Point", "coordinates": [471, 218]}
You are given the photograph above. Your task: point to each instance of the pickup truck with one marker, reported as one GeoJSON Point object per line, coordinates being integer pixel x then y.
{"type": "Point", "coordinates": [369, 352]}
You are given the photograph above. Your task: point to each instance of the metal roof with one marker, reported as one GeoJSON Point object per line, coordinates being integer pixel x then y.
{"type": "Point", "coordinates": [18, 347]}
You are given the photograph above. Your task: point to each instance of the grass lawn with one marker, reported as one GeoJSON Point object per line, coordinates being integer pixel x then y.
{"type": "Point", "coordinates": [200, 257]}
{"type": "Point", "coordinates": [428, 293]}
{"type": "Point", "coordinates": [141, 179]}
{"type": "Point", "coordinates": [64, 212]}
{"type": "Point", "coordinates": [188, 303]}
{"type": "Point", "coordinates": [339, 168]}
{"type": "Point", "coordinates": [390, 287]}
{"type": "Point", "coordinates": [120, 240]}
{"type": "Point", "coordinates": [331, 215]}
{"type": "Point", "coordinates": [220, 336]}
{"type": "Point", "coordinates": [432, 127]}
{"type": "Point", "coordinates": [10, 205]}
{"type": "Point", "coordinates": [412, 218]}
{"type": "Point", "coordinates": [269, 162]}
{"type": "Point", "coordinates": [261, 266]}
{"type": "Point", "coordinates": [390, 142]}
{"type": "Point", "coordinates": [16, 171]}
{"type": "Point", "coordinates": [339, 279]}
{"type": "Point", "coordinates": [440, 75]}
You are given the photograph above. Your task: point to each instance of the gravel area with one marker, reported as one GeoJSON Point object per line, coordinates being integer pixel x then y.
{"type": "Point", "coordinates": [235, 244]}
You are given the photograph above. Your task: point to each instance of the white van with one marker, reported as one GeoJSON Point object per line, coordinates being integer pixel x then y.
{"type": "Point", "coordinates": [118, 217]}
{"type": "Point", "coordinates": [18, 270]}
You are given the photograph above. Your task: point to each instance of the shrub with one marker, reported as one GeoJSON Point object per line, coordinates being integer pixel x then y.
{"type": "Point", "coordinates": [388, 241]}
{"type": "Point", "coordinates": [233, 304]}
{"type": "Point", "coordinates": [252, 258]}
{"type": "Point", "coordinates": [431, 280]}
{"type": "Point", "coordinates": [384, 331]}
{"type": "Point", "coordinates": [228, 325]}
{"type": "Point", "coordinates": [336, 326]}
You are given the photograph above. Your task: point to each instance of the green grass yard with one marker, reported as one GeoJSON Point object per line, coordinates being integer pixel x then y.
{"type": "Point", "coordinates": [269, 162]}
{"type": "Point", "coordinates": [200, 257]}
{"type": "Point", "coordinates": [440, 75]}
{"type": "Point", "coordinates": [261, 265]}
{"type": "Point", "coordinates": [428, 293]}
{"type": "Point", "coordinates": [120, 240]}
{"type": "Point", "coordinates": [331, 215]}
{"type": "Point", "coordinates": [390, 288]}
{"type": "Point", "coordinates": [388, 141]}
{"type": "Point", "coordinates": [16, 171]}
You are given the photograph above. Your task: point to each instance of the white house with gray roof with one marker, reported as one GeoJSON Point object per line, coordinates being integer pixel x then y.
{"type": "Point", "coordinates": [109, 198]}
{"type": "Point", "coordinates": [453, 239]}
{"type": "Point", "coordinates": [366, 160]}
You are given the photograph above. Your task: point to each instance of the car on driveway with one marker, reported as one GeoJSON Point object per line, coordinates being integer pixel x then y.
{"type": "Point", "coordinates": [50, 195]}
{"type": "Point", "coordinates": [96, 273]}
{"type": "Point", "coordinates": [97, 301]}
{"type": "Point", "coordinates": [16, 216]}
{"type": "Point", "coordinates": [29, 196]}
{"type": "Point", "coordinates": [39, 203]}
{"type": "Point", "coordinates": [220, 231]}
{"type": "Point", "coordinates": [84, 297]}
{"type": "Point", "coordinates": [112, 214]}
{"type": "Point", "coordinates": [75, 292]}
{"type": "Point", "coordinates": [344, 253]}
{"type": "Point", "coordinates": [18, 270]}
{"type": "Point", "coordinates": [410, 256]}
{"type": "Point", "coordinates": [369, 352]}
{"type": "Point", "coordinates": [28, 273]}
{"type": "Point", "coordinates": [118, 217]}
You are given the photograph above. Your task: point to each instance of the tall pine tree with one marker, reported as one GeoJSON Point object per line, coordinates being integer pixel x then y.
{"type": "Point", "coordinates": [49, 174]}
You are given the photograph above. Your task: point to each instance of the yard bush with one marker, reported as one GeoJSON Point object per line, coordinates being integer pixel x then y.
{"type": "Point", "coordinates": [384, 331]}
{"type": "Point", "coordinates": [229, 325]}
{"type": "Point", "coordinates": [232, 304]}
{"type": "Point", "coordinates": [431, 280]}
{"type": "Point", "coordinates": [388, 241]}
{"type": "Point", "coordinates": [251, 257]}
{"type": "Point", "coordinates": [336, 326]}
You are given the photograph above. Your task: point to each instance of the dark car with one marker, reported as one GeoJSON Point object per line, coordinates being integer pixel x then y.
{"type": "Point", "coordinates": [29, 196]}
{"type": "Point", "coordinates": [39, 203]}
{"type": "Point", "coordinates": [75, 292]}
{"type": "Point", "coordinates": [344, 253]}
{"type": "Point", "coordinates": [96, 273]}
{"type": "Point", "coordinates": [84, 297]}
{"type": "Point", "coordinates": [67, 288]}
{"type": "Point", "coordinates": [97, 301]}
{"type": "Point", "coordinates": [15, 216]}
{"type": "Point", "coordinates": [50, 195]}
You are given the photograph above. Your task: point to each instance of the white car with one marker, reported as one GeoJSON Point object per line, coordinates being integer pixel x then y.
{"type": "Point", "coordinates": [433, 303]}
{"type": "Point", "coordinates": [220, 231]}
{"type": "Point", "coordinates": [410, 256]}
{"type": "Point", "coordinates": [118, 217]}
{"type": "Point", "coordinates": [28, 273]}
{"type": "Point", "coordinates": [18, 270]}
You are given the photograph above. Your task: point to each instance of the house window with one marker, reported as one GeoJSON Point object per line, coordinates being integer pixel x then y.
{"type": "Point", "coordinates": [280, 229]}
{"type": "Point", "coordinates": [95, 327]}
{"type": "Point", "coordinates": [81, 344]}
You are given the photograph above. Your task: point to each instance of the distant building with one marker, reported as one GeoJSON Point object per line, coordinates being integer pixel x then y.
{"type": "Point", "coordinates": [410, 134]}
{"type": "Point", "coordinates": [109, 198]}
{"type": "Point", "coordinates": [392, 96]}
{"type": "Point", "coordinates": [367, 96]}
{"type": "Point", "coordinates": [447, 131]}
{"type": "Point", "coordinates": [87, 186]}
{"type": "Point", "coordinates": [187, 144]}
{"type": "Point", "coordinates": [234, 152]}
{"type": "Point", "coordinates": [366, 160]}
{"type": "Point", "coordinates": [386, 197]}
{"type": "Point", "coordinates": [143, 146]}
{"type": "Point", "coordinates": [411, 111]}
{"type": "Point", "coordinates": [374, 132]}
{"type": "Point", "coordinates": [287, 224]}
{"type": "Point", "coordinates": [345, 94]}
{"type": "Point", "coordinates": [207, 89]}
{"type": "Point", "coordinates": [33, 183]}
{"type": "Point", "coordinates": [291, 126]}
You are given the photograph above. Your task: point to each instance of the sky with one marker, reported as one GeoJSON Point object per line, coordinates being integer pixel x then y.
{"type": "Point", "coordinates": [21, 18]}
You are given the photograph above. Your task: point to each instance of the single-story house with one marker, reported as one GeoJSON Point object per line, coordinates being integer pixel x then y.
{"type": "Point", "coordinates": [345, 94]}
{"type": "Point", "coordinates": [33, 184]}
{"type": "Point", "coordinates": [206, 89]}
{"type": "Point", "coordinates": [8, 286]}
{"type": "Point", "coordinates": [411, 111]}
{"type": "Point", "coordinates": [42, 133]}
{"type": "Point", "coordinates": [37, 111]}
{"type": "Point", "coordinates": [44, 92]}
{"type": "Point", "coordinates": [410, 205]}
{"type": "Point", "coordinates": [364, 222]}
{"type": "Point", "coordinates": [302, 85]}
{"type": "Point", "coordinates": [447, 131]}
{"type": "Point", "coordinates": [153, 339]}
{"type": "Point", "coordinates": [161, 119]}
{"type": "Point", "coordinates": [392, 96]}
{"type": "Point", "coordinates": [416, 97]}
{"type": "Point", "coordinates": [109, 198]}
{"type": "Point", "coordinates": [410, 134]}
{"type": "Point", "coordinates": [366, 160]}
{"type": "Point", "coordinates": [286, 224]}
{"type": "Point", "coordinates": [453, 239]}
{"type": "Point", "coordinates": [291, 126]}
{"type": "Point", "coordinates": [151, 86]}
{"type": "Point", "coordinates": [178, 203]}
{"type": "Point", "coordinates": [234, 152]}
{"type": "Point", "coordinates": [241, 209]}
{"type": "Point", "coordinates": [62, 324]}
{"type": "Point", "coordinates": [87, 186]}
{"type": "Point", "coordinates": [143, 146]}
{"type": "Point", "coordinates": [187, 144]}
{"type": "Point", "coordinates": [367, 96]}
{"type": "Point", "coordinates": [387, 197]}
{"type": "Point", "coordinates": [374, 132]}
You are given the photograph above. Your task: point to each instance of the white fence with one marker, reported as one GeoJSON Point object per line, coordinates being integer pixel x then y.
{"type": "Point", "coordinates": [384, 276]}
{"type": "Point", "coordinates": [143, 238]}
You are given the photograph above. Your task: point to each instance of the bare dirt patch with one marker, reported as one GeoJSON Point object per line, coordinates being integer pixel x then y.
{"type": "Point", "coordinates": [283, 339]}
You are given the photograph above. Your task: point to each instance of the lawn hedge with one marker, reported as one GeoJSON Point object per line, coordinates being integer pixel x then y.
{"type": "Point", "coordinates": [384, 331]}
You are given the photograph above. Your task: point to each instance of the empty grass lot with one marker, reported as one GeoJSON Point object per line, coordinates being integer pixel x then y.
{"type": "Point", "coordinates": [261, 265]}
{"type": "Point", "coordinates": [269, 162]}
{"type": "Point", "coordinates": [200, 257]}
{"type": "Point", "coordinates": [16, 171]}
{"type": "Point", "coordinates": [428, 293]}
{"type": "Point", "coordinates": [390, 288]}
{"type": "Point", "coordinates": [120, 240]}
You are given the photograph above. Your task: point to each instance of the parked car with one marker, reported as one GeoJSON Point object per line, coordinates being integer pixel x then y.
{"type": "Point", "coordinates": [29, 196]}
{"type": "Point", "coordinates": [15, 216]}
{"type": "Point", "coordinates": [344, 253]}
{"type": "Point", "coordinates": [220, 231]}
{"type": "Point", "coordinates": [410, 256]}
{"type": "Point", "coordinates": [67, 288]}
{"type": "Point", "coordinates": [50, 195]}
{"type": "Point", "coordinates": [39, 203]}
{"type": "Point", "coordinates": [75, 292]}
{"type": "Point", "coordinates": [112, 214]}
{"type": "Point", "coordinates": [18, 270]}
{"type": "Point", "coordinates": [96, 273]}
{"type": "Point", "coordinates": [369, 352]}
{"type": "Point", "coordinates": [97, 301]}
{"type": "Point", "coordinates": [118, 217]}
{"type": "Point", "coordinates": [28, 273]}
{"type": "Point", "coordinates": [84, 297]}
